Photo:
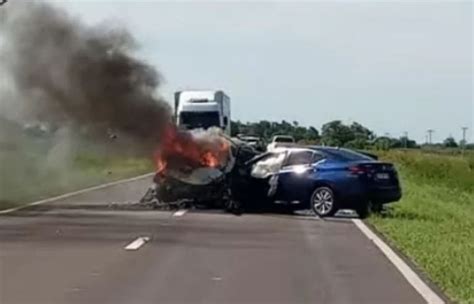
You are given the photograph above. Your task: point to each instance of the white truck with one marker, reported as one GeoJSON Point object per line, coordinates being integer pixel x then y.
{"type": "Point", "coordinates": [202, 110]}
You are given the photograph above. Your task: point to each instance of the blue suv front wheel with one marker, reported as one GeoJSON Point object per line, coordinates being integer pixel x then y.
{"type": "Point", "coordinates": [323, 202]}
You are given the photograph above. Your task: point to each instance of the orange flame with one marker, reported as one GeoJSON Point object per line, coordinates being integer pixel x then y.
{"type": "Point", "coordinates": [160, 163]}
{"type": "Point", "coordinates": [181, 148]}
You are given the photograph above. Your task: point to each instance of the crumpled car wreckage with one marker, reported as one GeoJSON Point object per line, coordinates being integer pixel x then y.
{"type": "Point", "coordinates": [209, 169]}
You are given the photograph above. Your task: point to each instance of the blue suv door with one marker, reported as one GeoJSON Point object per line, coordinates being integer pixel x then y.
{"type": "Point", "coordinates": [294, 180]}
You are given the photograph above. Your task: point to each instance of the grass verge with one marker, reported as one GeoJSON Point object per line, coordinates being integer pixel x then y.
{"type": "Point", "coordinates": [86, 170]}
{"type": "Point", "coordinates": [434, 222]}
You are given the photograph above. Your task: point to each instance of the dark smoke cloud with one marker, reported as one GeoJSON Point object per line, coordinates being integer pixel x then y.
{"type": "Point", "coordinates": [69, 74]}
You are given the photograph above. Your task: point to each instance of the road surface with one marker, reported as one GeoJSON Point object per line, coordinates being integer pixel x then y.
{"type": "Point", "coordinates": [73, 251]}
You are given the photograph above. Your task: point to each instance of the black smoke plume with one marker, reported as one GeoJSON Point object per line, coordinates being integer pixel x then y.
{"type": "Point", "coordinates": [66, 73]}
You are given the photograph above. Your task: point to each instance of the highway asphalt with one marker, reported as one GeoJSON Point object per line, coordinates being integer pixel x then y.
{"type": "Point", "coordinates": [73, 251]}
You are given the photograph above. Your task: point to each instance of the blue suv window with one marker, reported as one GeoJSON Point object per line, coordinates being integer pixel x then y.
{"type": "Point", "coordinates": [299, 158]}
{"type": "Point", "coordinates": [346, 155]}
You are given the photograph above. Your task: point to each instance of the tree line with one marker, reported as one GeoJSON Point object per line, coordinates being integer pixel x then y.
{"type": "Point", "coordinates": [334, 133]}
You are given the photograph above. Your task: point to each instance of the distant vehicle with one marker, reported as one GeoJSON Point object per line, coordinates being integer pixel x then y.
{"type": "Point", "coordinates": [202, 110]}
{"type": "Point", "coordinates": [280, 141]}
{"type": "Point", "coordinates": [253, 141]}
{"type": "Point", "coordinates": [323, 179]}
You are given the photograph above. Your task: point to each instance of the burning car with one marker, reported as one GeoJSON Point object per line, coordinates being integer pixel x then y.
{"type": "Point", "coordinates": [198, 166]}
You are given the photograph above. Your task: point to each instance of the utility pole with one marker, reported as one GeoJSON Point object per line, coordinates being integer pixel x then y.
{"type": "Point", "coordinates": [464, 131]}
{"type": "Point", "coordinates": [430, 136]}
{"type": "Point", "coordinates": [405, 134]}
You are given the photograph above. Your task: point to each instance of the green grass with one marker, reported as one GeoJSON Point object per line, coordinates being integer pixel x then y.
{"type": "Point", "coordinates": [83, 171]}
{"type": "Point", "coordinates": [434, 222]}
{"type": "Point", "coordinates": [34, 167]}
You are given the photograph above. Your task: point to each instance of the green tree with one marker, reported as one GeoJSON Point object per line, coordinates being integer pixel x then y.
{"type": "Point", "coordinates": [266, 129]}
{"type": "Point", "coordinates": [335, 133]}
{"type": "Point", "coordinates": [312, 134]}
{"type": "Point", "coordinates": [358, 143]}
{"type": "Point", "coordinates": [235, 127]}
{"type": "Point", "coordinates": [406, 142]}
{"type": "Point", "coordinates": [361, 132]}
{"type": "Point", "coordinates": [450, 142]}
{"type": "Point", "coordinates": [382, 143]}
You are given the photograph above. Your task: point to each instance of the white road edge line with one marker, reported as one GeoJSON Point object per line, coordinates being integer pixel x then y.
{"type": "Point", "coordinates": [180, 212]}
{"type": "Point", "coordinates": [136, 244]}
{"type": "Point", "coordinates": [424, 290]}
{"type": "Point", "coordinates": [66, 195]}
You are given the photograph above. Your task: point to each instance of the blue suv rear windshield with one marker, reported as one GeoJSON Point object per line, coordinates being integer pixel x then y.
{"type": "Point", "coordinates": [345, 154]}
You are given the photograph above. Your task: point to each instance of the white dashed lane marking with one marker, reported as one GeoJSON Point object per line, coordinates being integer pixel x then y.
{"type": "Point", "coordinates": [180, 212]}
{"type": "Point", "coordinates": [136, 244]}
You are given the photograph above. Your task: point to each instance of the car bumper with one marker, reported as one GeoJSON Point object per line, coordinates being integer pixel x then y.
{"type": "Point", "coordinates": [385, 196]}
{"type": "Point", "coordinates": [378, 195]}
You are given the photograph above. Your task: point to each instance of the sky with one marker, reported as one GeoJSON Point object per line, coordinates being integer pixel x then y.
{"type": "Point", "coordinates": [393, 66]}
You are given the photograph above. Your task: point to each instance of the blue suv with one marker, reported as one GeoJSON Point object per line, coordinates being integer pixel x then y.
{"type": "Point", "coordinates": [324, 179]}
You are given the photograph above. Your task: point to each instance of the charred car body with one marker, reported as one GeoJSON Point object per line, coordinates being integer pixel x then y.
{"type": "Point", "coordinates": [203, 171]}
{"type": "Point", "coordinates": [319, 178]}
